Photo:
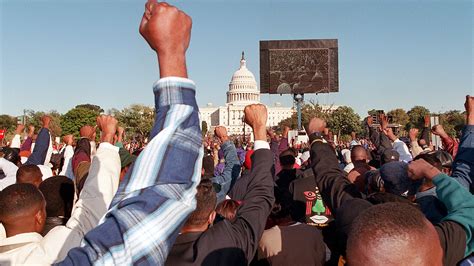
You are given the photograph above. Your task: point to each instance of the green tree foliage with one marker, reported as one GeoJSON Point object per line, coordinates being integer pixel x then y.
{"type": "Point", "coordinates": [308, 111]}
{"type": "Point", "coordinates": [34, 118]}
{"type": "Point", "coordinates": [92, 107]}
{"type": "Point", "coordinates": [399, 116]}
{"type": "Point", "coordinates": [136, 119]}
{"type": "Point", "coordinates": [8, 122]}
{"type": "Point", "coordinates": [452, 122]}
{"type": "Point", "coordinates": [416, 117]}
{"type": "Point", "coordinates": [74, 119]}
{"type": "Point", "coordinates": [344, 121]}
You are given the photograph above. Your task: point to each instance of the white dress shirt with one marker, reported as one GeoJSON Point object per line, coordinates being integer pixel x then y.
{"type": "Point", "coordinates": [9, 169]}
{"type": "Point", "coordinates": [68, 154]}
{"type": "Point", "coordinates": [94, 200]}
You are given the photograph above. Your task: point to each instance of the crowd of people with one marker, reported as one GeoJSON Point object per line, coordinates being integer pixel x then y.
{"type": "Point", "coordinates": [187, 200]}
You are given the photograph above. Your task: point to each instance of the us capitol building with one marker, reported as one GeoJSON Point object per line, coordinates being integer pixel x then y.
{"type": "Point", "coordinates": [243, 91]}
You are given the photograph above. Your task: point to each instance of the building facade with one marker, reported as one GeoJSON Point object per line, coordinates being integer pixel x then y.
{"type": "Point", "coordinates": [243, 90]}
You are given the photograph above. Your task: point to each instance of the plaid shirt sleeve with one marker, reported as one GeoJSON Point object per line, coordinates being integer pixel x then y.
{"type": "Point", "coordinates": [158, 192]}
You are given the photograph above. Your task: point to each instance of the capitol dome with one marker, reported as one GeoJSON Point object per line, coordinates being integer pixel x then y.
{"type": "Point", "coordinates": [243, 88]}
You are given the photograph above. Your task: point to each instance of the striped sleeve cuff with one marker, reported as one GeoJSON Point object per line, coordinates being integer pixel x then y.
{"type": "Point", "coordinates": [174, 90]}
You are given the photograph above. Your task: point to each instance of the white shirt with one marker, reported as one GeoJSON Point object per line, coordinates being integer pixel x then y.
{"type": "Point", "coordinates": [402, 149]}
{"type": "Point", "coordinates": [9, 169]}
{"type": "Point", "coordinates": [68, 154]}
{"type": "Point", "coordinates": [16, 141]}
{"type": "Point", "coordinates": [94, 200]}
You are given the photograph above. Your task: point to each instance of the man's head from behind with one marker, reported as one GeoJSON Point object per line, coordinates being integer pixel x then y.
{"type": "Point", "coordinates": [58, 192]}
{"type": "Point", "coordinates": [30, 174]}
{"type": "Point", "coordinates": [393, 234]}
{"type": "Point", "coordinates": [208, 166]}
{"type": "Point", "coordinates": [287, 159]}
{"type": "Point", "coordinates": [359, 154]}
{"type": "Point", "coordinates": [204, 214]}
{"type": "Point", "coordinates": [22, 209]}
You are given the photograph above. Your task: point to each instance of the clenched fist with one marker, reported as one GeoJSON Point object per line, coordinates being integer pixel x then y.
{"type": "Point", "coordinates": [68, 140]}
{"type": "Point", "coordinates": [19, 129]}
{"type": "Point", "coordinates": [413, 134]}
{"type": "Point", "coordinates": [419, 169]}
{"type": "Point", "coordinates": [438, 130]}
{"type": "Point", "coordinates": [108, 126]}
{"type": "Point", "coordinates": [256, 117]}
{"type": "Point", "coordinates": [221, 133]}
{"type": "Point", "coordinates": [469, 105]}
{"type": "Point", "coordinates": [31, 131]}
{"type": "Point", "coordinates": [45, 120]}
{"type": "Point", "coordinates": [168, 31]}
{"type": "Point", "coordinates": [87, 132]}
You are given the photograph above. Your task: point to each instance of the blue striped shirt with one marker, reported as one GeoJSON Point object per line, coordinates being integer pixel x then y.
{"type": "Point", "coordinates": [158, 193]}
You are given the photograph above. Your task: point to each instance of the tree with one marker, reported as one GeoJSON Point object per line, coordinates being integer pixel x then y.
{"type": "Point", "coordinates": [416, 117]}
{"type": "Point", "coordinates": [204, 128]}
{"type": "Point", "coordinates": [136, 119]}
{"type": "Point", "coordinates": [452, 121]}
{"type": "Point", "coordinates": [92, 107]}
{"type": "Point", "coordinates": [74, 119]}
{"type": "Point", "coordinates": [344, 121]}
{"type": "Point", "coordinates": [308, 111]}
{"type": "Point", "coordinates": [34, 118]}
{"type": "Point", "coordinates": [7, 122]}
{"type": "Point", "coordinates": [399, 116]}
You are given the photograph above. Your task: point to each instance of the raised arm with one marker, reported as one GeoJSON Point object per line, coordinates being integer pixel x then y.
{"type": "Point", "coordinates": [458, 201]}
{"type": "Point", "coordinates": [16, 141]}
{"type": "Point", "coordinates": [232, 165]}
{"type": "Point", "coordinates": [449, 144]}
{"type": "Point", "coordinates": [415, 147]}
{"type": "Point", "coordinates": [251, 217]}
{"type": "Point", "coordinates": [158, 193]}
{"type": "Point", "coordinates": [334, 187]}
{"type": "Point", "coordinates": [98, 191]}
{"type": "Point", "coordinates": [40, 152]}
{"type": "Point", "coordinates": [463, 165]}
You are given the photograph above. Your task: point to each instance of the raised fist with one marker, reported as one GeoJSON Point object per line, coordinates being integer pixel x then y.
{"type": "Point", "coordinates": [419, 169]}
{"type": "Point", "coordinates": [166, 28]}
{"type": "Point", "coordinates": [19, 129]}
{"type": "Point", "coordinates": [316, 125]}
{"type": "Point", "coordinates": [87, 132]}
{"type": "Point", "coordinates": [68, 139]}
{"type": "Point", "coordinates": [383, 121]}
{"type": "Point", "coordinates": [108, 126]}
{"type": "Point", "coordinates": [256, 117]}
{"type": "Point", "coordinates": [31, 130]}
{"type": "Point", "coordinates": [221, 133]}
{"type": "Point", "coordinates": [469, 105]}
{"type": "Point", "coordinates": [46, 119]}
{"type": "Point", "coordinates": [285, 131]}
{"type": "Point", "coordinates": [426, 119]}
{"type": "Point", "coordinates": [370, 121]}
{"type": "Point", "coordinates": [438, 130]}
{"type": "Point", "coordinates": [413, 134]}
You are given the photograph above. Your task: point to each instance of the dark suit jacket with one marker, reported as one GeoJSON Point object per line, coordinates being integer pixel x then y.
{"type": "Point", "coordinates": [232, 243]}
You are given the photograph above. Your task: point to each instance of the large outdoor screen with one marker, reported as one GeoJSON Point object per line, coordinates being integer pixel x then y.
{"type": "Point", "coordinates": [299, 66]}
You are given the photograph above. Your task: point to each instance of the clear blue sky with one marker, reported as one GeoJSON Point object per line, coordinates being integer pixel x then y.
{"type": "Point", "coordinates": [57, 54]}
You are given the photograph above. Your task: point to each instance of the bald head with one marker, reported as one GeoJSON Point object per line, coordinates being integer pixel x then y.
{"type": "Point", "coordinates": [29, 174]}
{"type": "Point", "coordinates": [358, 153]}
{"type": "Point", "coordinates": [22, 209]}
{"type": "Point", "coordinates": [393, 234]}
